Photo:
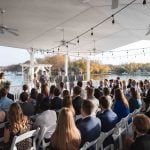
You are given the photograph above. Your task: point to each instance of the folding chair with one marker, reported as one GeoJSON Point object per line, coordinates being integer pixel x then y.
{"type": "Point", "coordinates": [119, 130]}
{"type": "Point", "coordinates": [41, 139]}
{"type": "Point", "coordinates": [88, 145]}
{"type": "Point", "coordinates": [101, 139]}
{"type": "Point", "coordinates": [30, 134]}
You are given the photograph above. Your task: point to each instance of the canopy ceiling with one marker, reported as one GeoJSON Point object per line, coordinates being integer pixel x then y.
{"type": "Point", "coordinates": [39, 23]}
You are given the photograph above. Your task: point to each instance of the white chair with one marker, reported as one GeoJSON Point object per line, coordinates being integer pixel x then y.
{"type": "Point", "coordinates": [88, 145]}
{"type": "Point", "coordinates": [41, 139]}
{"type": "Point", "coordinates": [30, 134]}
{"type": "Point", "coordinates": [2, 126]}
{"type": "Point", "coordinates": [101, 139]}
{"type": "Point", "coordinates": [119, 130]}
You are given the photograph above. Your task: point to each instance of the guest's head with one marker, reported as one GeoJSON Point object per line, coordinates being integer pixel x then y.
{"type": "Point", "coordinates": [134, 93]}
{"type": "Point", "coordinates": [90, 92]}
{"type": "Point", "coordinates": [34, 93]}
{"type": "Point", "coordinates": [18, 122]}
{"type": "Point", "coordinates": [2, 75]}
{"type": "Point", "coordinates": [67, 102]}
{"type": "Point", "coordinates": [61, 85]}
{"type": "Point", "coordinates": [65, 93]}
{"type": "Point", "coordinates": [44, 89]}
{"type": "Point", "coordinates": [77, 91]}
{"type": "Point", "coordinates": [24, 97]}
{"type": "Point", "coordinates": [3, 92]}
{"type": "Point", "coordinates": [105, 103]}
{"type": "Point", "coordinates": [25, 87]}
{"type": "Point", "coordinates": [56, 92]}
{"type": "Point", "coordinates": [51, 92]}
{"type": "Point", "coordinates": [66, 135]}
{"type": "Point", "coordinates": [106, 91]}
{"type": "Point", "coordinates": [79, 83]}
{"type": "Point", "coordinates": [87, 108]}
{"type": "Point", "coordinates": [141, 124]}
{"type": "Point", "coordinates": [97, 93]}
{"type": "Point", "coordinates": [119, 96]}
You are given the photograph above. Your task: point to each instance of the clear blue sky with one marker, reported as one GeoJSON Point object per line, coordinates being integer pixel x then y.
{"type": "Point", "coordinates": [9, 56]}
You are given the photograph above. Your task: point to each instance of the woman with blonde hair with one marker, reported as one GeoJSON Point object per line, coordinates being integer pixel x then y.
{"type": "Point", "coordinates": [66, 135]}
{"type": "Point", "coordinates": [121, 106]}
{"type": "Point", "coordinates": [17, 124]}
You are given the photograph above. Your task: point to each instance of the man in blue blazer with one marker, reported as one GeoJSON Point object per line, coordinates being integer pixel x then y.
{"type": "Point", "coordinates": [107, 116]}
{"type": "Point", "coordinates": [89, 126]}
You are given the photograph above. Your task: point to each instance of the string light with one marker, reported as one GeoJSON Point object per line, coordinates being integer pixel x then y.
{"type": "Point", "coordinates": [113, 20]}
{"type": "Point", "coordinates": [144, 2]}
{"type": "Point", "coordinates": [78, 40]}
{"type": "Point", "coordinates": [92, 32]}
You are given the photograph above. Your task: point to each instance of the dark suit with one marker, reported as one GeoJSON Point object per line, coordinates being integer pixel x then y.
{"type": "Point", "coordinates": [141, 143]}
{"type": "Point", "coordinates": [56, 103]}
{"type": "Point", "coordinates": [27, 108]}
{"type": "Point", "coordinates": [11, 96]}
{"type": "Point", "coordinates": [77, 102]}
{"type": "Point", "coordinates": [90, 128]}
{"type": "Point", "coordinates": [108, 119]}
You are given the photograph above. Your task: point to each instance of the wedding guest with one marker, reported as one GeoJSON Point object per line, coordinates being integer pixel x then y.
{"type": "Point", "coordinates": [66, 135]}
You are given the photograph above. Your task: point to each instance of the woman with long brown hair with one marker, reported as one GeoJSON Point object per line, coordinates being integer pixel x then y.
{"type": "Point", "coordinates": [66, 135]}
{"type": "Point", "coordinates": [135, 100]}
{"type": "Point", "coordinates": [121, 106]}
{"type": "Point", "coordinates": [67, 102]}
{"type": "Point", "coordinates": [17, 124]}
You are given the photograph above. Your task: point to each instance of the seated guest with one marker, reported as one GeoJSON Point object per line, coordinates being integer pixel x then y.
{"type": "Point", "coordinates": [77, 100]}
{"type": "Point", "coordinates": [67, 102]}
{"type": "Point", "coordinates": [108, 118]}
{"type": "Point", "coordinates": [65, 93]}
{"type": "Point", "coordinates": [91, 97]}
{"type": "Point", "coordinates": [56, 102]}
{"type": "Point", "coordinates": [80, 84]}
{"type": "Point", "coordinates": [44, 95]}
{"type": "Point", "coordinates": [141, 125]}
{"type": "Point", "coordinates": [134, 101]}
{"type": "Point", "coordinates": [9, 95]}
{"type": "Point", "coordinates": [106, 92]}
{"type": "Point", "coordinates": [33, 96]}
{"type": "Point", "coordinates": [27, 108]}
{"type": "Point", "coordinates": [25, 90]}
{"type": "Point", "coordinates": [47, 118]}
{"type": "Point", "coordinates": [98, 93]}
{"type": "Point", "coordinates": [5, 102]}
{"type": "Point", "coordinates": [121, 106]}
{"type": "Point", "coordinates": [66, 135]}
{"type": "Point", "coordinates": [17, 124]}
{"type": "Point", "coordinates": [89, 125]}
{"type": "Point", "coordinates": [51, 92]}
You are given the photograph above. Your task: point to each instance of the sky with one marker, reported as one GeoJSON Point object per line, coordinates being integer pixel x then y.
{"type": "Point", "coordinates": [9, 56]}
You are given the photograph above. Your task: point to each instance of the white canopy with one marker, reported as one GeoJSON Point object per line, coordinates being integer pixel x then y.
{"type": "Point", "coordinates": [39, 23]}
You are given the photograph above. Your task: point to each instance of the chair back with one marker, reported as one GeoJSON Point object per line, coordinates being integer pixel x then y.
{"type": "Point", "coordinates": [41, 140]}
{"type": "Point", "coordinates": [88, 145]}
{"type": "Point", "coordinates": [30, 134]}
{"type": "Point", "coordinates": [101, 139]}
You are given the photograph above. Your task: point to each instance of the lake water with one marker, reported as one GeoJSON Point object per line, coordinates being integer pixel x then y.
{"type": "Point", "coordinates": [17, 80]}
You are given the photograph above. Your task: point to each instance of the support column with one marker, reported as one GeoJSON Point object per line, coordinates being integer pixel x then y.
{"type": "Point", "coordinates": [66, 65]}
{"type": "Point", "coordinates": [31, 70]}
{"type": "Point", "coordinates": [88, 70]}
